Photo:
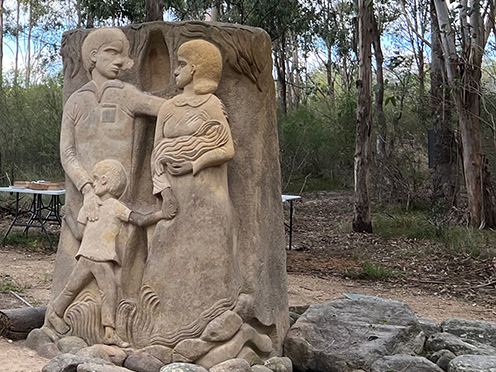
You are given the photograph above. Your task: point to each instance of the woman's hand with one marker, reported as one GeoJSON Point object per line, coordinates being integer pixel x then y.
{"type": "Point", "coordinates": [169, 204]}
{"type": "Point", "coordinates": [180, 168]}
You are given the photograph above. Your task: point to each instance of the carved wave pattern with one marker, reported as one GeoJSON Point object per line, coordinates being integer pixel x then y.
{"type": "Point", "coordinates": [209, 136]}
{"type": "Point", "coordinates": [138, 319]}
{"type": "Point", "coordinates": [85, 320]}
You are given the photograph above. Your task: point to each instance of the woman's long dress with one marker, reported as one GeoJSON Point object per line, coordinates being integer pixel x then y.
{"type": "Point", "coordinates": [191, 275]}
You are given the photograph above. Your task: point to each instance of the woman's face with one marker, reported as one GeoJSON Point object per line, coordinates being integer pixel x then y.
{"type": "Point", "coordinates": [184, 73]}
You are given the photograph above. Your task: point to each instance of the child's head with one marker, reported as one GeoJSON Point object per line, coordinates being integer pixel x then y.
{"type": "Point", "coordinates": [110, 177]}
{"type": "Point", "coordinates": [100, 37]}
{"type": "Point", "coordinates": [207, 64]}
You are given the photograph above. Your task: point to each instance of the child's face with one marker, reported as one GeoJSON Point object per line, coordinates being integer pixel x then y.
{"type": "Point", "coordinates": [100, 184]}
{"type": "Point", "coordinates": [184, 73]}
{"type": "Point", "coordinates": [109, 59]}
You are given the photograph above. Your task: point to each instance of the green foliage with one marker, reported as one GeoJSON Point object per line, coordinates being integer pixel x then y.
{"type": "Point", "coordinates": [433, 225]}
{"type": "Point", "coordinates": [317, 143]}
{"type": "Point", "coordinates": [29, 132]}
{"type": "Point", "coordinates": [36, 241]}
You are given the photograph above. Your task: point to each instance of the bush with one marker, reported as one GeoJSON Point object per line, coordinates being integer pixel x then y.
{"type": "Point", "coordinates": [30, 129]}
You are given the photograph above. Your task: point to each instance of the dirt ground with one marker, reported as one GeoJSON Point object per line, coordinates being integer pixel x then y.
{"type": "Point", "coordinates": [436, 286]}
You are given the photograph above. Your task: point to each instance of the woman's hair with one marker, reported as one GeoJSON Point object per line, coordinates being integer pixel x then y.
{"type": "Point", "coordinates": [207, 62]}
{"type": "Point", "coordinates": [100, 37]}
{"type": "Point", "coordinates": [115, 174]}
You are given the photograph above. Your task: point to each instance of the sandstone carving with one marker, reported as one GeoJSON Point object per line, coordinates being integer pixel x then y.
{"type": "Point", "coordinates": [179, 250]}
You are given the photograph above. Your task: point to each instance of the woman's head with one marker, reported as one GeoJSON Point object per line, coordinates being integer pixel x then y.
{"type": "Point", "coordinates": [206, 62]}
{"type": "Point", "coordinates": [100, 37]}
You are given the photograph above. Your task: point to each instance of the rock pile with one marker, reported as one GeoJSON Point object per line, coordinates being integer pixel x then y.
{"type": "Point", "coordinates": [378, 335]}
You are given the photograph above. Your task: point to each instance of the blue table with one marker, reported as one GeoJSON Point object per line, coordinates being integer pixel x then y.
{"type": "Point", "coordinates": [40, 213]}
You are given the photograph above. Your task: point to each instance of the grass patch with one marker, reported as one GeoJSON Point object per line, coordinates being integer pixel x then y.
{"type": "Point", "coordinates": [36, 241]}
{"type": "Point", "coordinates": [7, 283]}
{"type": "Point", "coordinates": [373, 272]}
{"type": "Point", "coordinates": [427, 225]}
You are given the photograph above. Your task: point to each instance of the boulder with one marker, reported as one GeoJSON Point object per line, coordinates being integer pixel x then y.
{"type": "Point", "coordinates": [183, 367]}
{"type": "Point", "coordinates": [90, 367]}
{"type": "Point", "coordinates": [478, 330]}
{"type": "Point", "coordinates": [70, 362]}
{"type": "Point", "coordinates": [442, 358]}
{"type": "Point", "coordinates": [473, 363]}
{"type": "Point", "coordinates": [345, 334]}
{"type": "Point", "coordinates": [279, 364]}
{"type": "Point", "coordinates": [457, 345]}
{"type": "Point", "coordinates": [429, 326]}
{"type": "Point", "coordinates": [404, 363]}
{"type": "Point", "coordinates": [232, 365]}
{"type": "Point", "coordinates": [36, 338]}
{"type": "Point", "coordinates": [71, 344]}
{"type": "Point", "coordinates": [143, 362]}
{"type": "Point", "coordinates": [48, 350]}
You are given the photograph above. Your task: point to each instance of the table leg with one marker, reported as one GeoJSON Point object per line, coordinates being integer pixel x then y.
{"type": "Point", "coordinates": [14, 221]}
{"type": "Point", "coordinates": [290, 223]}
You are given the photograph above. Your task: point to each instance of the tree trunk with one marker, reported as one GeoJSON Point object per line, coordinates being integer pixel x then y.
{"type": "Point", "coordinates": [280, 63]}
{"type": "Point", "coordinates": [445, 157]}
{"type": "Point", "coordinates": [18, 30]}
{"type": "Point", "coordinates": [361, 219]}
{"type": "Point", "coordinates": [16, 324]}
{"type": "Point", "coordinates": [1, 44]}
{"type": "Point", "coordinates": [379, 95]}
{"type": "Point", "coordinates": [154, 10]}
{"type": "Point", "coordinates": [30, 32]}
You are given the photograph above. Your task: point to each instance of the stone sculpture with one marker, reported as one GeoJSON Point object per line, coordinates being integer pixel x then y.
{"type": "Point", "coordinates": [200, 275]}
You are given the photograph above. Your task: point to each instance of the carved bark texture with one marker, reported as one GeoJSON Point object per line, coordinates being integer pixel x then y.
{"type": "Point", "coordinates": [361, 219]}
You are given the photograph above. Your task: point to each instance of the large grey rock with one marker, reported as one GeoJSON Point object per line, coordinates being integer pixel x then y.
{"type": "Point", "coordinates": [183, 367]}
{"type": "Point", "coordinates": [91, 367]}
{"type": "Point", "coordinates": [260, 368]}
{"type": "Point", "coordinates": [345, 334]}
{"type": "Point", "coordinates": [279, 364]}
{"type": "Point", "coordinates": [48, 350]}
{"type": "Point", "coordinates": [232, 365]}
{"type": "Point", "coordinates": [71, 344]}
{"type": "Point", "coordinates": [429, 326]}
{"type": "Point", "coordinates": [477, 330]}
{"type": "Point", "coordinates": [36, 338]}
{"type": "Point", "coordinates": [143, 362]}
{"type": "Point", "coordinates": [457, 345]}
{"type": "Point", "coordinates": [473, 363]}
{"type": "Point", "coordinates": [69, 363]}
{"type": "Point", "coordinates": [442, 358]}
{"type": "Point", "coordinates": [404, 363]}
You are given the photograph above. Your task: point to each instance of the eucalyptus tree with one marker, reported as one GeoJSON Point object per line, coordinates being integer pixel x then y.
{"type": "Point", "coordinates": [363, 148]}
{"type": "Point", "coordinates": [464, 39]}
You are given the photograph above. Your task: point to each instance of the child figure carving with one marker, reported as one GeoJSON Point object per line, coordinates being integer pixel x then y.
{"type": "Point", "coordinates": [97, 255]}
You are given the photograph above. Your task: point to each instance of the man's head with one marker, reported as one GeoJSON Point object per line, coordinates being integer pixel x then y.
{"type": "Point", "coordinates": [105, 40]}
{"type": "Point", "coordinates": [110, 177]}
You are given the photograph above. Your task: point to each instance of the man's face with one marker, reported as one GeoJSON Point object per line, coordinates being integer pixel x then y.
{"type": "Point", "coordinates": [109, 59]}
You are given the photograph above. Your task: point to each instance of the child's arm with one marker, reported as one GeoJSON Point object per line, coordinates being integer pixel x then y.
{"type": "Point", "coordinates": [144, 220]}
{"type": "Point", "coordinates": [76, 227]}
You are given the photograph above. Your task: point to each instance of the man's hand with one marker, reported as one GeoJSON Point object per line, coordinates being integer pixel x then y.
{"type": "Point", "coordinates": [91, 203]}
{"type": "Point", "coordinates": [169, 204]}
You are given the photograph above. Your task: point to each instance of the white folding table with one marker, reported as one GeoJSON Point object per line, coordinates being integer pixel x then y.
{"type": "Point", "coordinates": [38, 218]}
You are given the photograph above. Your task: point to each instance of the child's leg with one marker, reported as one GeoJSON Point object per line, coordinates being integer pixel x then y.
{"type": "Point", "coordinates": [79, 278]}
{"type": "Point", "coordinates": [106, 281]}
